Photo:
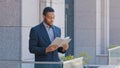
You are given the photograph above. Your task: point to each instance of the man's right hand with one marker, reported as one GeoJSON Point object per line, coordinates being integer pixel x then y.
{"type": "Point", "coordinates": [51, 48]}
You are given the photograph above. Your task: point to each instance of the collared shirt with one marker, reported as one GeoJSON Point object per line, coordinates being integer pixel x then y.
{"type": "Point", "coordinates": [49, 31]}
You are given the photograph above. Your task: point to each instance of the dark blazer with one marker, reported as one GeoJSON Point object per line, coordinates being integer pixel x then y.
{"type": "Point", "coordinates": [39, 41]}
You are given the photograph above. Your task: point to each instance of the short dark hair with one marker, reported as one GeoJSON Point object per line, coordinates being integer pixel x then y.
{"type": "Point", "coordinates": [47, 9]}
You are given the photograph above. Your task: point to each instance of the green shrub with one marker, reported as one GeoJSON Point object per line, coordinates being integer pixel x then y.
{"type": "Point", "coordinates": [86, 57]}
{"type": "Point", "coordinates": [65, 58]}
{"type": "Point", "coordinates": [112, 46]}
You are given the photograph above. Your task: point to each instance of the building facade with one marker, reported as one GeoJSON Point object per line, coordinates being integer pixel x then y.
{"type": "Point", "coordinates": [93, 26]}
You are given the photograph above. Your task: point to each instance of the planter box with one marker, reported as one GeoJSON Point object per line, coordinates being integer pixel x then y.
{"type": "Point", "coordinates": [75, 63]}
{"type": "Point", "coordinates": [114, 56]}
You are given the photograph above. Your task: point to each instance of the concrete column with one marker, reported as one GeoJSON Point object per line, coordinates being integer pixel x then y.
{"type": "Point", "coordinates": [85, 28]}
{"type": "Point", "coordinates": [10, 33]}
{"type": "Point", "coordinates": [16, 19]}
{"type": "Point", "coordinates": [30, 18]}
{"type": "Point", "coordinates": [114, 22]}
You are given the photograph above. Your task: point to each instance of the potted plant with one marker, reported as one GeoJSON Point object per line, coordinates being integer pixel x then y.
{"type": "Point", "coordinates": [72, 62]}
{"type": "Point", "coordinates": [86, 58]}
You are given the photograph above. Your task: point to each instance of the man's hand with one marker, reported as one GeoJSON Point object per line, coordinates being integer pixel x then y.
{"type": "Point", "coordinates": [65, 47]}
{"type": "Point", "coordinates": [51, 48]}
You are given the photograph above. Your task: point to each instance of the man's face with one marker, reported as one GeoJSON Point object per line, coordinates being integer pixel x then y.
{"type": "Point", "coordinates": [49, 18]}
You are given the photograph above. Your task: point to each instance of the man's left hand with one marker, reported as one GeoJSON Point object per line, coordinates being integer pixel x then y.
{"type": "Point", "coordinates": [65, 47]}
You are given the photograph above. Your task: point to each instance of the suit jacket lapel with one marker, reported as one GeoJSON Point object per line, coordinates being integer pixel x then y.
{"type": "Point", "coordinates": [55, 33]}
{"type": "Point", "coordinates": [45, 34]}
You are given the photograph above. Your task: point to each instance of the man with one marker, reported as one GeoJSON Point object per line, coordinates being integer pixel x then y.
{"type": "Point", "coordinates": [41, 37]}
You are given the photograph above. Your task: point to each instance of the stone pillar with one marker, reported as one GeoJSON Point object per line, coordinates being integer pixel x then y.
{"type": "Point", "coordinates": [10, 33]}
{"type": "Point", "coordinates": [85, 28]}
{"type": "Point", "coordinates": [16, 19]}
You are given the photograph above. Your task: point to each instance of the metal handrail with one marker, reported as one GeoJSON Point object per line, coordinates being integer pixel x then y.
{"type": "Point", "coordinates": [34, 62]}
